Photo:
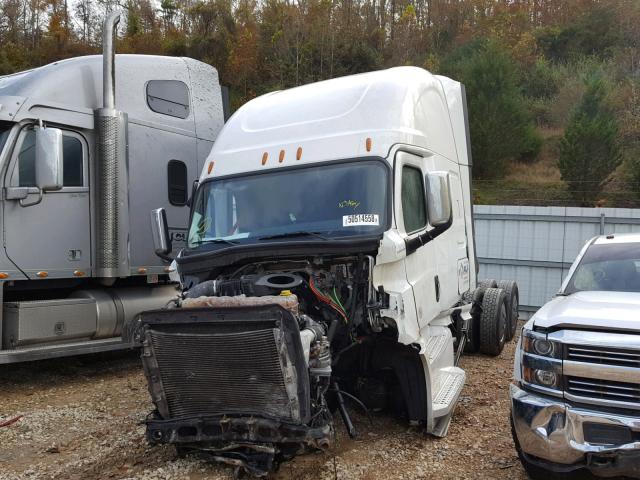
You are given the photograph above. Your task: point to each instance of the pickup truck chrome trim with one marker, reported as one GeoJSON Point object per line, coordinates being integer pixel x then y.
{"type": "Point", "coordinates": [548, 430]}
{"type": "Point", "coordinates": [609, 372]}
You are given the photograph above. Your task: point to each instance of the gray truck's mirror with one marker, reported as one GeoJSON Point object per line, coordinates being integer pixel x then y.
{"type": "Point", "coordinates": [438, 198]}
{"type": "Point", "coordinates": [160, 230]}
{"type": "Point", "coordinates": [49, 163]}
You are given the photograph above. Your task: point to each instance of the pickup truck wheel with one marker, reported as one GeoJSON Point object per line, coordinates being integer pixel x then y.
{"type": "Point", "coordinates": [493, 321]}
{"type": "Point", "coordinates": [513, 302]}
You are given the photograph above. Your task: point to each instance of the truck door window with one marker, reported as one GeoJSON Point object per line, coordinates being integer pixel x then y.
{"type": "Point", "coordinates": [414, 211]}
{"type": "Point", "coordinates": [177, 182]}
{"type": "Point", "coordinates": [73, 161]}
{"type": "Point", "coordinates": [27, 161]}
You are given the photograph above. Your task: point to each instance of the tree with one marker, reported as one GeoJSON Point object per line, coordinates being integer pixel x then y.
{"type": "Point", "coordinates": [589, 150]}
{"type": "Point", "coordinates": [501, 127]}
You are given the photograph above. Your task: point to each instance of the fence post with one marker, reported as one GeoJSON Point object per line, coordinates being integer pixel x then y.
{"type": "Point", "coordinates": [602, 224]}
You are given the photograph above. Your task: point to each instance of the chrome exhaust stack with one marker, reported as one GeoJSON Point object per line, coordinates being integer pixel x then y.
{"type": "Point", "coordinates": [111, 172]}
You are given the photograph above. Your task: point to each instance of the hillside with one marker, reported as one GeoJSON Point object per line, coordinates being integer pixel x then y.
{"type": "Point", "coordinates": [553, 85]}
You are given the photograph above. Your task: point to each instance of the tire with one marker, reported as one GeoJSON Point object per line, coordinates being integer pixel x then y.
{"type": "Point", "coordinates": [487, 283]}
{"type": "Point", "coordinates": [513, 303]}
{"type": "Point", "coordinates": [493, 321]}
{"type": "Point", "coordinates": [473, 334]}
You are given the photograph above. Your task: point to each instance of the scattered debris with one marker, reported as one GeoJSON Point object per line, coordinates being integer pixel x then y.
{"type": "Point", "coordinates": [86, 408]}
{"type": "Point", "coordinates": [11, 421]}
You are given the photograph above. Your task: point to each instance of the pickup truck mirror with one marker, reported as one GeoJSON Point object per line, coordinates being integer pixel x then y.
{"type": "Point", "coordinates": [438, 198]}
{"type": "Point", "coordinates": [49, 159]}
{"type": "Point", "coordinates": [160, 230]}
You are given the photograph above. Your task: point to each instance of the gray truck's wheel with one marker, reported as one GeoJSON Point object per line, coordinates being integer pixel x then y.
{"type": "Point", "coordinates": [493, 321]}
{"type": "Point", "coordinates": [513, 303]}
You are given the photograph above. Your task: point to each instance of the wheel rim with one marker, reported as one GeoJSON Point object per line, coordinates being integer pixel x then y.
{"type": "Point", "coordinates": [502, 323]}
{"type": "Point", "coordinates": [514, 312]}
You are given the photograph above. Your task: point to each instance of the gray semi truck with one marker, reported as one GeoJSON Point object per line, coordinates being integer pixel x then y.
{"type": "Point", "coordinates": [82, 163]}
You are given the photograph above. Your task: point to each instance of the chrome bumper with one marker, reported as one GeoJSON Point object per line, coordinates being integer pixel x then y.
{"type": "Point", "coordinates": [551, 434]}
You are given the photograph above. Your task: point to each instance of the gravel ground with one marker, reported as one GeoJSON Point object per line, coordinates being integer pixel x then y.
{"type": "Point", "coordinates": [83, 419]}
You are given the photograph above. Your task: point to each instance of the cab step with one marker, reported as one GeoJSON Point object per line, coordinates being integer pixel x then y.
{"type": "Point", "coordinates": [436, 345]}
{"type": "Point", "coordinates": [446, 398]}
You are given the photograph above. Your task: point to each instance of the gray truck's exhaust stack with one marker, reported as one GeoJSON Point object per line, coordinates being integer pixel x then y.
{"type": "Point", "coordinates": [112, 198]}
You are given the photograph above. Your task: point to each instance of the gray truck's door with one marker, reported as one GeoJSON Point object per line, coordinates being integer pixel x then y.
{"type": "Point", "coordinates": [53, 236]}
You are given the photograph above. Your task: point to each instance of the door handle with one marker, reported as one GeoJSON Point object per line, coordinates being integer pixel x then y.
{"type": "Point", "coordinates": [21, 193]}
{"type": "Point", "coordinates": [436, 280]}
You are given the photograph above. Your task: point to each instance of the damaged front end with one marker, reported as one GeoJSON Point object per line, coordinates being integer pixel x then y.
{"type": "Point", "coordinates": [241, 382]}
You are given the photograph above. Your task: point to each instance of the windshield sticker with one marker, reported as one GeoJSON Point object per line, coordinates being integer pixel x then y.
{"type": "Point", "coordinates": [349, 204]}
{"type": "Point", "coordinates": [360, 219]}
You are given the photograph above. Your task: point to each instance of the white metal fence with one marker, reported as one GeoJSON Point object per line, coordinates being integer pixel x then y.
{"type": "Point", "coordinates": [535, 246]}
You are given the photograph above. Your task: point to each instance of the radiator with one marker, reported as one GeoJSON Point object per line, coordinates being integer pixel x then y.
{"type": "Point", "coordinates": [225, 362]}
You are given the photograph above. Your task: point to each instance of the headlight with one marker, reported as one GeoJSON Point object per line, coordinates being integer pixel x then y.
{"type": "Point", "coordinates": [541, 363]}
{"type": "Point", "coordinates": [538, 344]}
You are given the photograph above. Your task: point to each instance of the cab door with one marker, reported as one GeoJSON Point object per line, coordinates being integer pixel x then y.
{"type": "Point", "coordinates": [411, 215]}
{"type": "Point", "coordinates": [50, 238]}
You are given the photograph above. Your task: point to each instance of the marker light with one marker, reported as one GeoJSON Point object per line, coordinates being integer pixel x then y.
{"type": "Point", "coordinates": [265, 156]}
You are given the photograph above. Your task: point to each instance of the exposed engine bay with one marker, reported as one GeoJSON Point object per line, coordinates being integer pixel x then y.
{"type": "Point", "coordinates": [247, 367]}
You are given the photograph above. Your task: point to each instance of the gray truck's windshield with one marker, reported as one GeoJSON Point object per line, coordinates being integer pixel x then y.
{"type": "Point", "coordinates": [5, 128]}
{"type": "Point", "coordinates": [610, 267]}
{"type": "Point", "coordinates": [315, 202]}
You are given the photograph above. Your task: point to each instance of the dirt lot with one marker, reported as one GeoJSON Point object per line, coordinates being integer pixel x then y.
{"type": "Point", "coordinates": [82, 419]}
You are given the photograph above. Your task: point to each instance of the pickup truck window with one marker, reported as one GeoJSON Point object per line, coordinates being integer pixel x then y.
{"type": "Point", "coordinates": [608, 267]}
{"type": "Point", "coordinates": [319, 201]}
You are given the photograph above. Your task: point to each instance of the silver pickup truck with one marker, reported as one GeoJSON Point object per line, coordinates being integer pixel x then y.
{"type": "Point", "coordinates": [575, 398]}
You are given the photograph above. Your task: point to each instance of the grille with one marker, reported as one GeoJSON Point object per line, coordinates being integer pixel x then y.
{"type": "Point", "coordinates": [208, 373]}
{"type": "Point", "coordinates": [604, 389]}
{"type": "Point", "coordinates": [604, 356]}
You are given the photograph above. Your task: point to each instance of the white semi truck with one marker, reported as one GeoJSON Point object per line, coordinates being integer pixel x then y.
{"type": "Point", "coordinates": [81, 164]}
{"type": "Point", "coordinates": [330, 258]}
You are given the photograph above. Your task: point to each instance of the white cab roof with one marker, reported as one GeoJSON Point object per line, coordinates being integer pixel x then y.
{"type": "Point", "coordinates": [618, 238]}
{"type": "Point", "coordinates": [333, 119]}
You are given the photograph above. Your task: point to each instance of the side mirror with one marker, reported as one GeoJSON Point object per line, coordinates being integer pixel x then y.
{"type": "Point", "coordinates": [160, 231]}
{"type": "Point", "coordinates": [49, 159]}
{"type": "Point", "coordinates": [438, 198]}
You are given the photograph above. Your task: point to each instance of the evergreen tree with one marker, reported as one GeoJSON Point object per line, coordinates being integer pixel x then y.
{"type": "Point", "coordinates": [589, 150]}
{"type": "Point", "coordinates": [501, 127]}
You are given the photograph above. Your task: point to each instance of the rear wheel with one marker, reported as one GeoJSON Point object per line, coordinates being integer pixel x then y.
{"type": "Point", "coordinates": [513, 302]}
{"type": "Point", "coordinates": [474, 297]}
{"type": "Point", "coordinates": [493, 321]}
{"type": "Point", "coordinates": [487, 283]}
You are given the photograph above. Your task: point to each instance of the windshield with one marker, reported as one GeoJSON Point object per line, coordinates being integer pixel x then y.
{"type": "Point", "coordinates": [318, 202]}
{"type": "Point", "coordinates": [611, 268]}
{"type": "Point", "coordinates": [5, 128]}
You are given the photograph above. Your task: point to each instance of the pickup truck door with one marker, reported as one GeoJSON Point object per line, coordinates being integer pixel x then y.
{"type": "Point", "coordinates": [53, 236]}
